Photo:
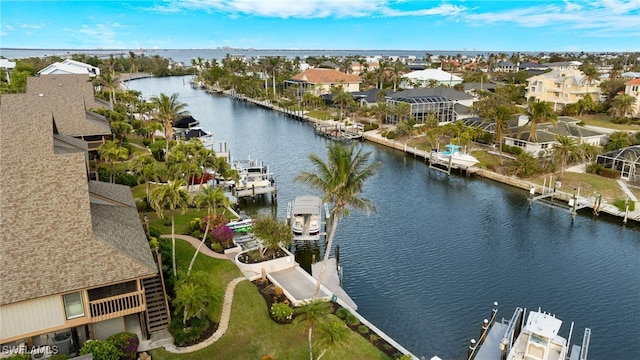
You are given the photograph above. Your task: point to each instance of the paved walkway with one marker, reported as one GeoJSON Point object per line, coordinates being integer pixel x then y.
{"type": "Point", "coordinates": [204, 250]}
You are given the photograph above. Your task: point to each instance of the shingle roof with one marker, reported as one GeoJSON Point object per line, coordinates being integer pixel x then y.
{"type": "Point", "coordinates": [326, 76]}
{"type": "Point", "coordinates": [53, 238]}
{"type": "Point", "coordinates": [70, 98]}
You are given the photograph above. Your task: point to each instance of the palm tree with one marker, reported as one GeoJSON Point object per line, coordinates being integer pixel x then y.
{"type": "Point", "coordinates": [212, 198]}
{"type": "Point", "coordinates": [564, 149]}
{"type": "Point", "coordinates": [111, 151]}
{"type": "Point", "coordinates": [312, 313]}
{"type": "Point", "coordinates": [333, 334]}
{"type": "Point", "coordinates": [172, 196]}
{"type": "Point", "coordinates": [193, 295]}
{"type": "Point", "coordinates": [524, 165]}
{"type": "Point", "coordinates": [168, 109]}
{"type": "Point", "coordinates": [501, 116]}
{"type": "Point", "coordinates": [622, 104]}
{"type": "Point", "coordinates": [539, 112]}
{"type": "Point", "coordinates": [402, 110]}
{"type": "Point", "coordinates": [343, 98]}
{"type": "Point", "coordinates": [111, 81]}
{"type": "Point", "coordinates": [145, 166]}
{"type": "Point", "coordinates": [340, 179]}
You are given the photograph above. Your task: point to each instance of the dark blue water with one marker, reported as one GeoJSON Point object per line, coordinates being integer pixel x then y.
{"type": "Point", "coordinates": [428, 265]}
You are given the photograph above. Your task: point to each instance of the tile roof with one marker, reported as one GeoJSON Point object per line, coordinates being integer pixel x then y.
{"type": "Point", "coordinates": [70, 98]}
{"type": "Point", "coordinates": [53, 238]}
{"type": "Point", "coordinates": [633, 82]}
{"type": "Point", "coordinates": [326, 76]}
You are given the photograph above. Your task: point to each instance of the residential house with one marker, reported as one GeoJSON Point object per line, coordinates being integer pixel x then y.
{"type": "Point", "coordinates": [320, 81]}
{"type": "Point", "coordinates": [562, 87]}
{"type": "Point", "coordinates": [547, 133]}
{"type": "Point", "coordinates": [625, 160]}
{"type": "Point", "coordinates": [446, 104]}
{"type": "Point", "coordinates": [70, 67]}
{"type": "Point", "coordinates": [428, 77]}
{"type": "Point", "coordinates": [74, 259]}
{"type": "Point", "coordinates": [506, 66]}
{"type": "Point", "coordinates": [8, 67]}
{"type": "Point", "coordinates": [71, 101]}
{"type": "Point", "coordinates": [632, 88]}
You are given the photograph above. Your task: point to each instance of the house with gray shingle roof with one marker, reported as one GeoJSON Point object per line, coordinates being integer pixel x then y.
{"type": "Point", "coordinates": [74, 256]}
{"type": "Point", "coordinates": [72, 103]}
{"type": "Point", "coordinates": [547, 133]}
{"type": "Point", "coordinates": [446, 104]}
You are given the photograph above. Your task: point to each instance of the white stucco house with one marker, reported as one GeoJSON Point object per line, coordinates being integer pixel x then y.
{"type": "Point", "coordinates": [70, 67]}
{"type": "Point", "coordinates": [423, 78]}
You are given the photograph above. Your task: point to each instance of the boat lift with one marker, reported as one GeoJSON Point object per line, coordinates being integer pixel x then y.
{"type": "Point", "coordinates": [548, 195]}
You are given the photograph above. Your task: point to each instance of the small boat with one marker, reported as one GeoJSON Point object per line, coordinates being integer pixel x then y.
{"type": "Point", "coordinates": [307, 215]}
{"type": "Point", "coordinates": [452, 156]}
{"type": "Point", "coordinates": [536, 339]}
{"type": "Point", "coordinates": [240, 226]}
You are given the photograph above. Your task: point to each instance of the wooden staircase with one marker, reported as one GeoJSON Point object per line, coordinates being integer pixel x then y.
{"type": "Point", "coordinates": [157, 315]}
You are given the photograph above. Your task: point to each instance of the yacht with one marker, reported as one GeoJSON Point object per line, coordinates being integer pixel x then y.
{"type": "Point", "coordinates": [536, 339]}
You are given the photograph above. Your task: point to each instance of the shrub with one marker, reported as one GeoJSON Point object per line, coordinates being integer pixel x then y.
{"type": "Point", "coordinates": [59, 357]}
{"type": "Point", "coordinates": [593, 168]}
{"type": "Point", "coordinates": [19, 357]}
{"type": "Point", "coordinates": [342, 313]}
{"type": "Point", "coordinates": [127, 343]}
{"type": "Point", "coordinates": [363, 329]}
{"type": "Point", "coordinates": [621, 205]}
{"type": "Point", "coordinates": [390, 135]}
{"type": "Point", "coordinates": [281, 311]}
{"type": "Point", "coordinates": [223, 234]}
{"type": "Point", "coordinates": [374, 337]}
{"type": "Point", "coordinates": [101, 350]}
{"type": "Point", "coordinates": [217, 247]}
{"type": "Point", "coordinates": [154, 232]}
{"type": "Point", "coordinates": [147, 142]}
{"type": "Point", "coordinates": [195, 224]}
{"type": "Point", "coordinates": [352, 320]}
{"type": "Point", "coordinates": [609, 173]}
{"type": "Point", "coordinates": [187, 336]}
{"type": "Point", "coordinates": [154, 243]}
{"type": "Point", "coordinates": [404, 357]}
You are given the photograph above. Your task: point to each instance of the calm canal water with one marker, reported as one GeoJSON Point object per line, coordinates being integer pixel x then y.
{"type": "Point", "coordinates": [428, 265]}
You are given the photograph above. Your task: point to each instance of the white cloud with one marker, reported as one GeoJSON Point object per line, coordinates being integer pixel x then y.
{"type": "Point", "coordinates": [313, 8]}
{"type": "Point", "coordinates": [32, 26]}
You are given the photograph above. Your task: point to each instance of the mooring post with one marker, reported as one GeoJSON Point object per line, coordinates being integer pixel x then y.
{"type": "Point", "coordinates": [483, 331]}
{"type": "Point", "coordinates": [472, 348]}
{"type": "Point", "coordinates": [626, 210]}
{"type": "Point", "coordinates": [494, 312]}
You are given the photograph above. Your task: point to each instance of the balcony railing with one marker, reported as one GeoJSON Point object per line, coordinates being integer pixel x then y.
{"type": "Point", "coordinates": [117, 306]}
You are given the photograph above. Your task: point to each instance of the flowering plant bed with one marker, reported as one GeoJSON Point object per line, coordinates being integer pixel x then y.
{"type": "Point", "coordinates": [273, 295]}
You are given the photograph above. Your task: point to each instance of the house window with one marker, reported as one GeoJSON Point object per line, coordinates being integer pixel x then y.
{"type": "Point", "coordinates": [566, 95]}
{"type": "Point", "coordinates": [519, 143]}
{"type": "Point", "coordinates": [73, 305]}
{"type": "Point", "coordinates": [533, 89]}
{"type": "Point", "coordinates": [544, 146]}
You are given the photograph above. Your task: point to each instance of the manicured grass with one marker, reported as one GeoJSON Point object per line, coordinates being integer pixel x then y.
{"type": "Point", "coordinates": [604, 121]}
{"type": "Point", "coordinates": [181, 220]}
{"type": "Point", "coordinates": [320, 114]}
{"type": "Point", "coordinates": [252, 334]}
{"type": "Point", "coordinates": [220, 271]}
{"type": "Point", "coordinates": [588, 183]}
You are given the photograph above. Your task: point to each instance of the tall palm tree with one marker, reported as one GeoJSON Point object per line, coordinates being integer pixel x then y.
{"type": "Point", "coordinates": [501, 116]}
{"type": "Point", "coordinates": [212, 198]}
{"type": "Point", "coordinates": [168, 109]}
{"type": "Point", "coordinates": [403, 111]}
{"type": "Point", "coordinates": [341, 179]}
{"type": "Point", "coordinates": [111, 151]}
{"type": "Point", "coordinates": [622, 104]}
{"type": "Point", "coordinates": [111, 81]}
{"type": "Point", "coordinates": [539, 112]}
{"type": "Point", "coordinates": [564, 149]}
{"type": "Point", "coordinates": [170, 196]}
{"type": "Point", "coordinates": [312, 313]}
{"type": "Point", "coordinates": [145, 166]}
{"type": "Point", "coordinates": [343, 98]}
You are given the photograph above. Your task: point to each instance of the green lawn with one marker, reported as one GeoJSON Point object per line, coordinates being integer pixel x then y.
{"type": "Point", "coordinates": [604, 121]}
{"type": "Point", "coordinates": [588, 183]}
{"type": "Point", "coordinates": [181, 220]}
{"type": "Point", "coordinates": [252, 334]}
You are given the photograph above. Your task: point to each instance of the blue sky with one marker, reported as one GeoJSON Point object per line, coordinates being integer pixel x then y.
{"type": "Point", "coordinates": [535, 25]}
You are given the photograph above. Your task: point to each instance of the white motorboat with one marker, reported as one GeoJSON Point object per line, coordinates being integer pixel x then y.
{"type": "Point", "coordinates": [536, 339]}
{"type": "Point", "coordinates": [307, 216]}
{"type": "Point", "coordinates": [252, 175]}
{"type": "Point", "coordinates": [452, 156]}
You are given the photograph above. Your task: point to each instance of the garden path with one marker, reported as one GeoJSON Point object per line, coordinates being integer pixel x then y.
{"type": "Point", "coordinates": [204, 249]}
